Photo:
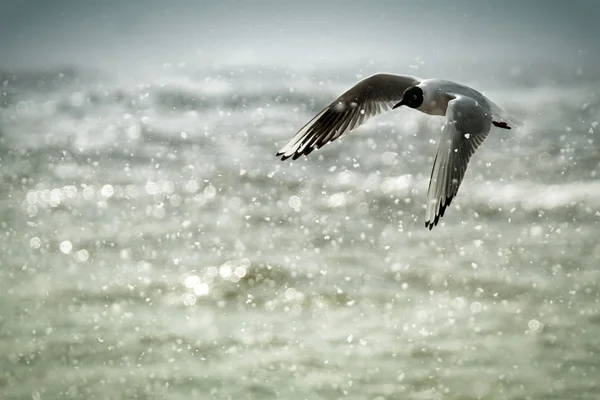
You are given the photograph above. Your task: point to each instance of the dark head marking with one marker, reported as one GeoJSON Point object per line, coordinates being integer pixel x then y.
{"type": "Point", "coordinates": [412, 97]}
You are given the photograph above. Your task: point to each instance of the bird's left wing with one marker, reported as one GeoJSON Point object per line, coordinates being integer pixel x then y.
{"type": "Point", "coordinates": [467, 125]}
{"type": "Point", "coordinates": [369, 97]}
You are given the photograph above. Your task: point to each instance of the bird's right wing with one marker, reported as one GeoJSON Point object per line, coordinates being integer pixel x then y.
{"type": "Point", "coordinates": [369, 97]}
{"type": "Point", "coordinates": [467, 125]}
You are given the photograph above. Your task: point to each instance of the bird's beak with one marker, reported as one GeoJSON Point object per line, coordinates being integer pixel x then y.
{"type": "Point", "coordinates": [401, 103]}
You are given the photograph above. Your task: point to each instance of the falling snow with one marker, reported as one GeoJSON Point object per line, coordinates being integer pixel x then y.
{"type": "Point", "coordinates": [153, 246]}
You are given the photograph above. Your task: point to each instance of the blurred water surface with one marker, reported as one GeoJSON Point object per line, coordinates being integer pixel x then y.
{"type": "Point", "coordinates": [154, 247]}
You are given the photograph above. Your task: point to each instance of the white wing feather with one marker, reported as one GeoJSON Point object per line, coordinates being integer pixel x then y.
{"type": "Point", "coordinates": [468, 123]}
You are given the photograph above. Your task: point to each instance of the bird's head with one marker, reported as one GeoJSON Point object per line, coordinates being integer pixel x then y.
{"type": "Point", "coordinates": [412, 97]}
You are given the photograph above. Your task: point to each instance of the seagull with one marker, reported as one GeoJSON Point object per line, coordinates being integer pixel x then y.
{"type": "Point", "coordinates": [469, 118]}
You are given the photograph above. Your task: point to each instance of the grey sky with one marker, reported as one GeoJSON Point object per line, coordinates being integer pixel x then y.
{"type": "Point", "coordinates": [131, 34]}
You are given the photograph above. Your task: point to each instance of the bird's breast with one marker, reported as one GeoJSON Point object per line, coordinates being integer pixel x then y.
{"type": "Point", "coordinates": [435, 106]}
{"type": "Point", "coordinates": [437, 95]}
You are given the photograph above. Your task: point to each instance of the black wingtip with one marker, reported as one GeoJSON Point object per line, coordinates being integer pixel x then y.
{"type": "Point", "coordinates": [283, 157]}
{"type": "Point", "coordinates": [296, 155]}
{"type": "Point", "coordinates": [442, 211]}
{"type": "Point", "coordinates": [440, 214]}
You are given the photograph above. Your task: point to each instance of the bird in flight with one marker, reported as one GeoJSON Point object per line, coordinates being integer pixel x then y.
{"type": "Point", "coordinates": [469, 118]}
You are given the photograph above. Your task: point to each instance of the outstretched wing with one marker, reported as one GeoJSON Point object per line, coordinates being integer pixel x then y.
{"type": "Point", "coordinates": [467, 125]}
{"type": "Point", "coordinates": [369, 97]}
